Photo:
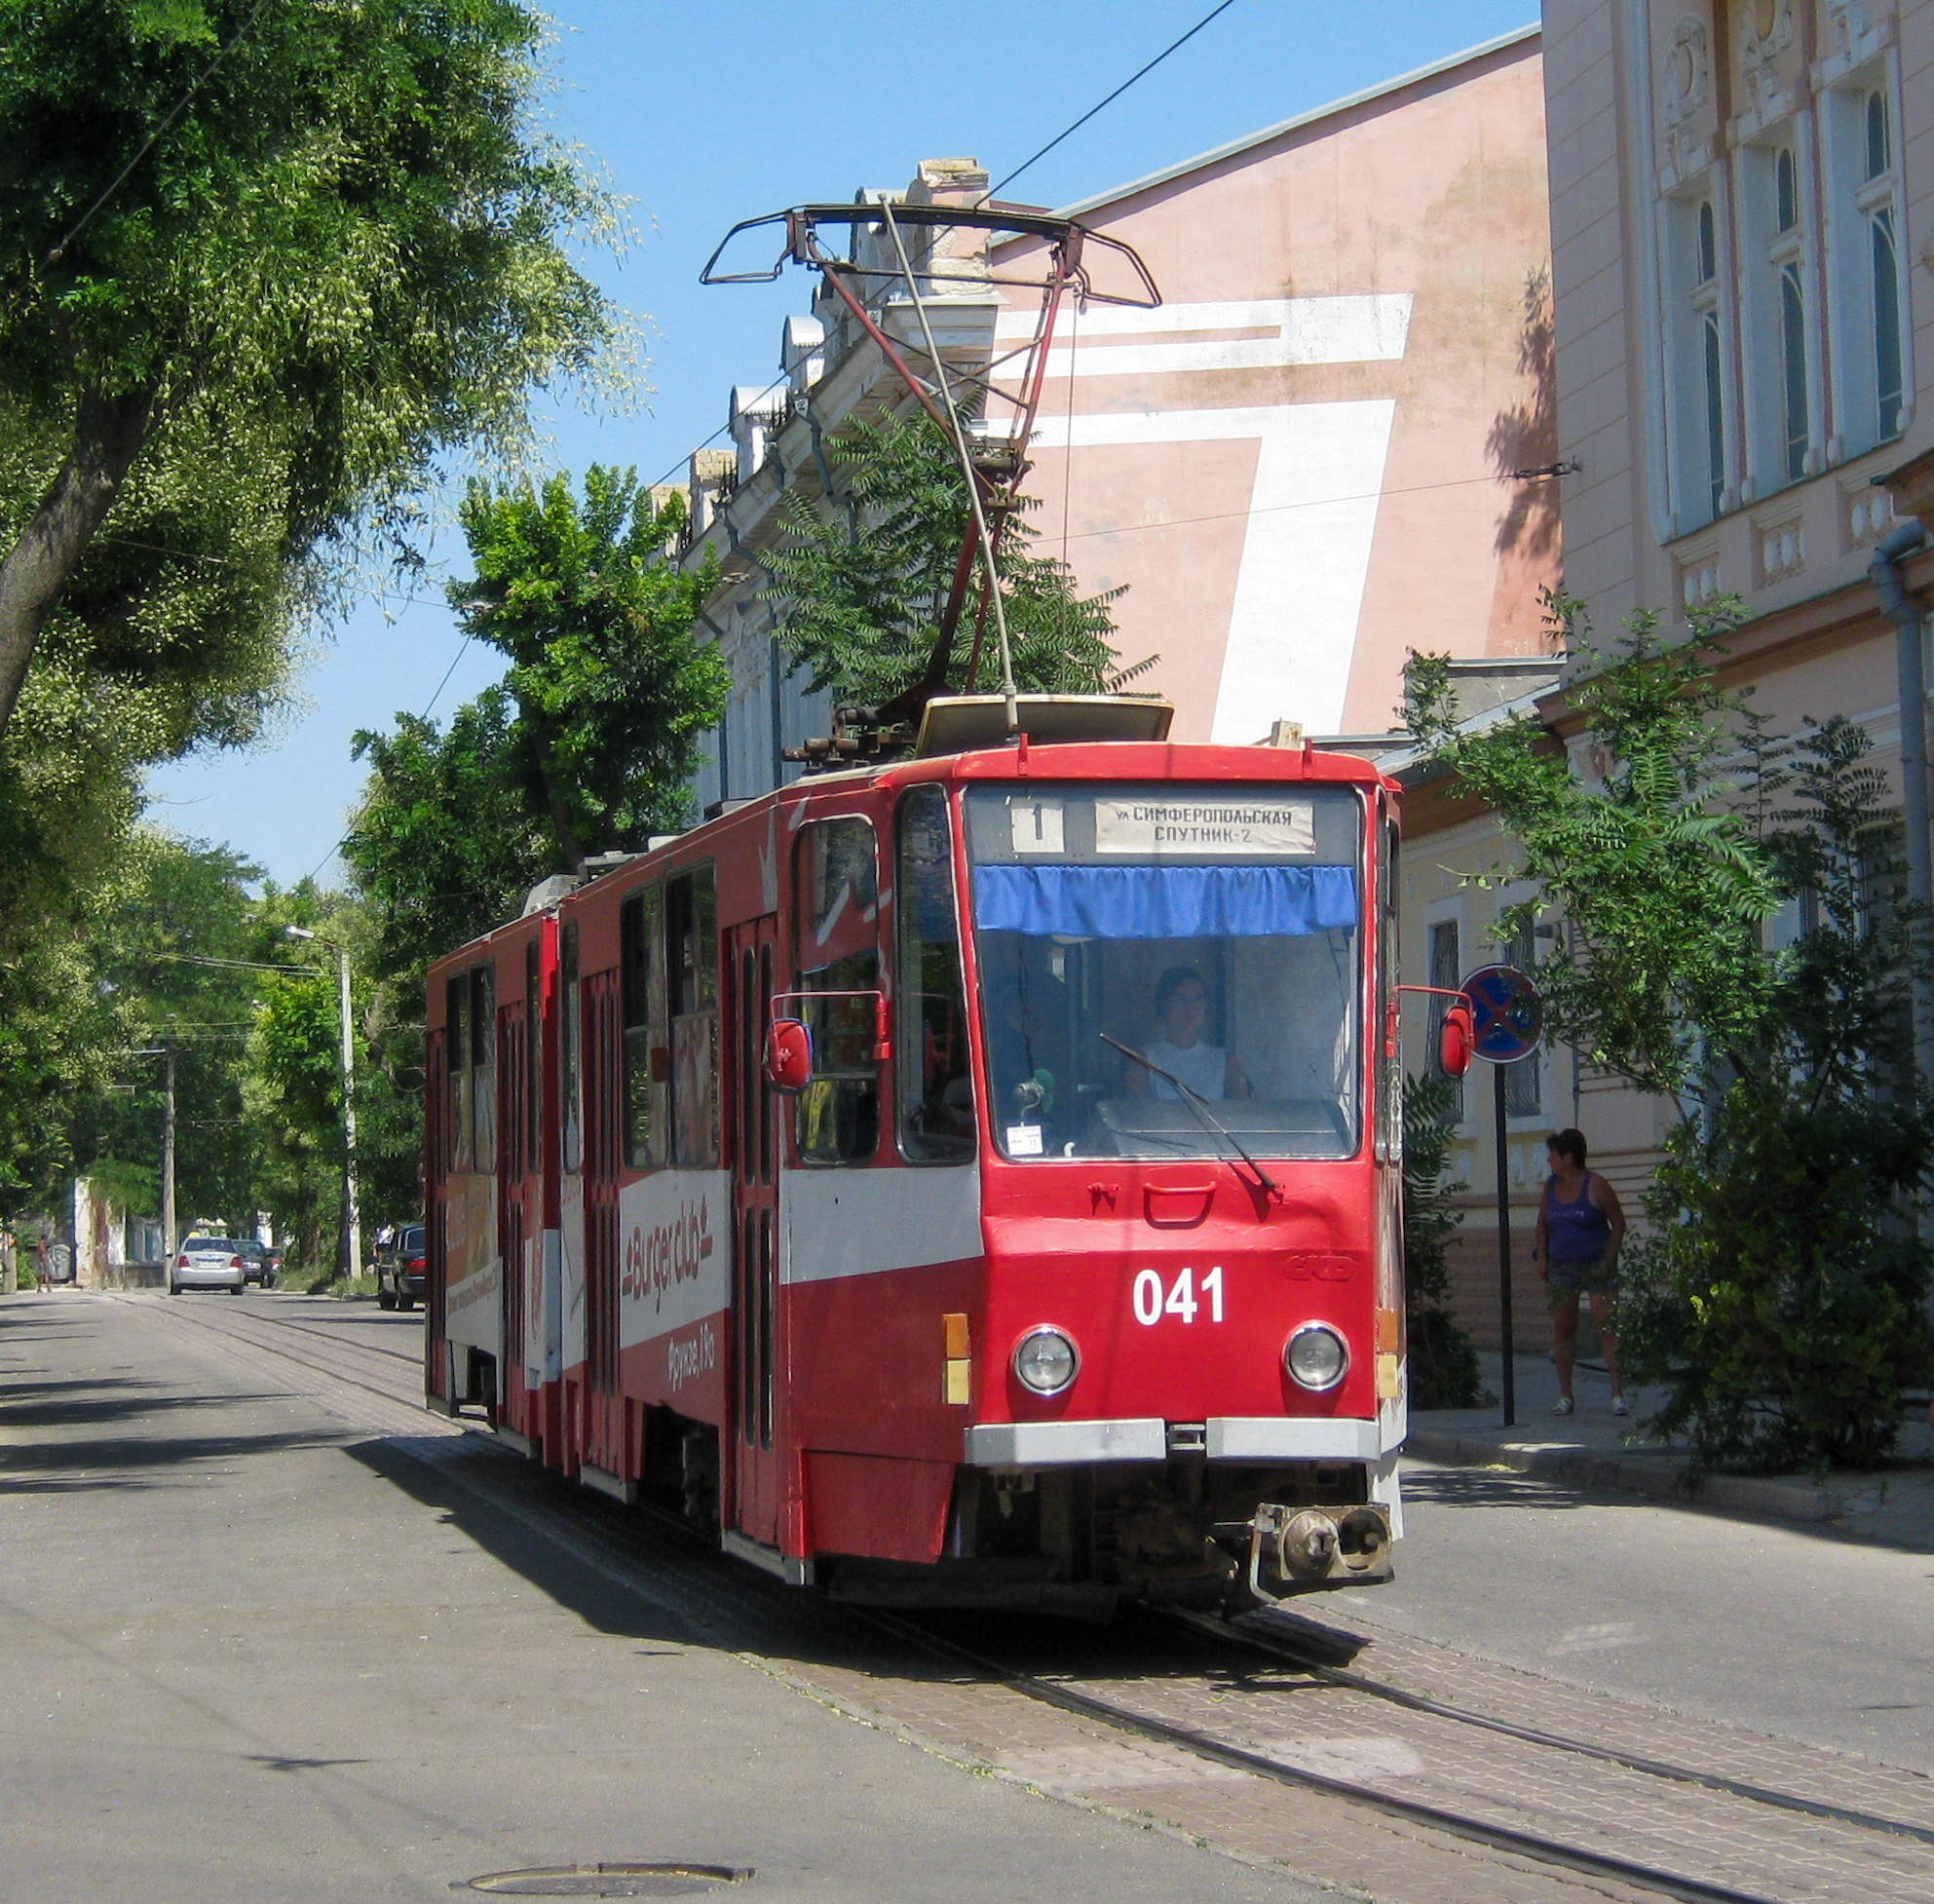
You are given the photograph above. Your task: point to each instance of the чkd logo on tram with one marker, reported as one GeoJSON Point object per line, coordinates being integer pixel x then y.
{"type": "Point", "coordinates": [666, 1253]}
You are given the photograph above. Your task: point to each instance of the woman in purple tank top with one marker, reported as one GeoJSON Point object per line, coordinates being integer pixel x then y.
{"type": "Point", "coordinates": [1579, 1228]}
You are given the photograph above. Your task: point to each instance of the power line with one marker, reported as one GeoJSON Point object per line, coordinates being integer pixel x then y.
{"type": "Point", "coordinates": [148, 145]}
{"type": "Point", "coordinates": [1172, 47]}
{"type": "Point", "coordinates": [1276, 509]}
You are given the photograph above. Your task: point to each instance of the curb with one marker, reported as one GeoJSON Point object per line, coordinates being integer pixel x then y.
{"type": "Point", "coordinates": [1660, 1476]}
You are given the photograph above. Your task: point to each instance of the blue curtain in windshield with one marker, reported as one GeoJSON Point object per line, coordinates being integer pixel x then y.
{"type": "Point", "coordinates": [1166, 901]}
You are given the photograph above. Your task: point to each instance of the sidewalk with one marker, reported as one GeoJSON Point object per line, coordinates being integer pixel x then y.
{"type": "Point", "coordinates": [1594, 1448]}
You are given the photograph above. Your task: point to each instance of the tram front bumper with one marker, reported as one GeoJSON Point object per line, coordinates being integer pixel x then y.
{"type": "Point", "coordinates": [1259, 1439]}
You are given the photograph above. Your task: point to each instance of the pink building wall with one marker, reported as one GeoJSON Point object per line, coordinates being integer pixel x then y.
{"type": "Point", "coordinates": [1299, 465]}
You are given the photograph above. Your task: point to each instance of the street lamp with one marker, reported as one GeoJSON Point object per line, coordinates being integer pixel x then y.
{"type": "Point", "coordinates": [351, 1216]}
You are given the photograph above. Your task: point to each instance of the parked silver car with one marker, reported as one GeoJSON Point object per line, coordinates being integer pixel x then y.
{"type": "Point", "coordinates": [208, 1263]}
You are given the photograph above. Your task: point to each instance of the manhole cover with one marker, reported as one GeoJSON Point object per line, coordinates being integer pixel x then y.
{"type": "Point", "coordinates": [624, 1880]}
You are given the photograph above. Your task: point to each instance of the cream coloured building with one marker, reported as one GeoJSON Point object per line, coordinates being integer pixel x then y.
{"type": "Point", "coordinates": [1742, 205]}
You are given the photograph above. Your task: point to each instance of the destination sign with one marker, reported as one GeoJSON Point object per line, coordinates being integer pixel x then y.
{"type": "Point", "coordinates": [1198, 829]}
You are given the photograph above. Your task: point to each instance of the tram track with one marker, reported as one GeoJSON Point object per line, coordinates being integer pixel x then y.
{"type": "Point", "coordinates": [323, 1350]}
{"type": "Point", "coordinates": [269, 1337]}
{"type": "Point", "coordinates": [1495, 1837]}
{"type": "Point", "coordinates": [1286, 1651]}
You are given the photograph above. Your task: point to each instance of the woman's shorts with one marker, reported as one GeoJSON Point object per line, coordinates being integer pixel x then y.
{"type": "Point", "coordinates": [1589, 1276]}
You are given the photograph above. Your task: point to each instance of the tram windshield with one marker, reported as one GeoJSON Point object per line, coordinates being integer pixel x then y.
{"type": "Point", "coordinates": [1154, 962]}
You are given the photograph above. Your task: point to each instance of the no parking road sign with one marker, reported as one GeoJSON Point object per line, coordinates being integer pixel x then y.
{"type": "Point", "coordinates": [1507, 1015]}
{"type": "Point", "coordinates": [1506, 1019]}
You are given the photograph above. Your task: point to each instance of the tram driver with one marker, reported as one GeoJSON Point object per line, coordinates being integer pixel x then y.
{"type": "Point", "coordinates": [1181, 1008]}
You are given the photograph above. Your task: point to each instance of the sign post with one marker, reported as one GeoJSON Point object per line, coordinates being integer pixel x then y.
{"type": "Point", "coordinates": [1506, 1019]}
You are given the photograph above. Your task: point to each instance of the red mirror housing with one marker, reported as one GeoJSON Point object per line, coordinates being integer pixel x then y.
{"type": "Point", "coordinates": [789, 1055]}
{"type": "Point", "coordinates": [1454, 1042]}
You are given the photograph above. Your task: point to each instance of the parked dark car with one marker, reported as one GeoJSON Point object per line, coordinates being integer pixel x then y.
{"type": "Point", "coordinates": [400, 1267]}
{"type": "Point", "coordinates": [259, 1262]}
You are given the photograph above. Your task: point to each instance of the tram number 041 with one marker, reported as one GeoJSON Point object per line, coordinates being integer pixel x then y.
{"type": "Point", "coordinates": [1184, 1297]}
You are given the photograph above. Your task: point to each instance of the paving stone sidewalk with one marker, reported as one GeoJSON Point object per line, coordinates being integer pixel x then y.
{"type": "Point", "coordinates": [1594, 1448]}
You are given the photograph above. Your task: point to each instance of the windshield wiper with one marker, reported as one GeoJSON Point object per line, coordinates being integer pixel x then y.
{"type": "Point", "coordinates": [1197, 1103]}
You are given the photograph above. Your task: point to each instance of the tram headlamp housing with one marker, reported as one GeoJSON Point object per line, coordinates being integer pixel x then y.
{"type": "Point", "coordinates": [1316, 1357]}
{"type": "Point", "coordinates": [1045, 1361]}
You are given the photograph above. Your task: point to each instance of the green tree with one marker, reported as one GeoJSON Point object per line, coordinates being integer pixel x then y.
{"type": "Point", "coordinates": [613, 689]}
{"type": "Point", "coordinates": [323, 244]}
{"type": "Point", "coordinates": [1641, 838]}
{"type": "Point", "coordinates": [863, 587]}
{"type": "Point", "coordinates": [1779, 1291]}
{"type": "Point", "coordinates": [444, 843]}
{"type": "Point", "coordinates": [1442, 1358]}
{"type": "Point", "coordinates": [1780, 1296]}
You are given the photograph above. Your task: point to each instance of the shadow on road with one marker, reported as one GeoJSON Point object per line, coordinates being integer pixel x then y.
{"type": "Point", "coordinates": [502, 1533]}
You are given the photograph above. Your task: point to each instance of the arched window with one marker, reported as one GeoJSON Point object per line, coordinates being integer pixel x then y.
{"type": "Point", "coordinates": [1710, 374]}
{"type": "Point", "coordinates": [1879, 146]}
{"type": "Point", "coordinates": [1792, 368]}
{"type": "Point", "coordinates": [1711, 366]}
{"type": "Point", "coordinates": [1886, 256]}
{"type": "Point", "coordinates": [1786, 191]}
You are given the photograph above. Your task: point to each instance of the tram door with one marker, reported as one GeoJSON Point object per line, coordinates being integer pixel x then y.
{"type": "Point", "coordinates": [755, 1467]}
{"type": "Point", "coordinates": [511, 1188]}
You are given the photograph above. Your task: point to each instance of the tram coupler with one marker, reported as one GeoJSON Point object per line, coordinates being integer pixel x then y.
{"type": "Point", "coordinates": [1309, 1548]}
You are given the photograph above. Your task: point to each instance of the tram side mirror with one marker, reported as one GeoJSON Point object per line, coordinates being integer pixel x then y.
{"type": "Point", "coordinates": [1454, 1042]}
{"type": "Point", "coordinates": [789, 1055]}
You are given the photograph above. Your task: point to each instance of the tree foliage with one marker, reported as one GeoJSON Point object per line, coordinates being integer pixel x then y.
{"type": "Point", "coordinates": [1781, 1294]}
{"type": "Point", "coordinates": [1442, 1358]}
{"type": "Point", "coordinates": [323, 244]}
{"type": "Point", "coordinates": [444, 845]}
{"type": "Point", "coordinates": [863, 587]}
{"type": "Point", "coordinates": [612, 686]}
{"type": "Point", "coordinates": [1637, 833]}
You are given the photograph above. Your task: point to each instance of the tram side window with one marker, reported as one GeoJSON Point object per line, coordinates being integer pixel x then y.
{"type": "Point", "coordinates": [533, 1104]}
{"type": "Point", "coordinates": [691, 947]}
{"type": "Point", "coordinates": [571, 1050]}
{"type": "Point", "coordinates": [935, 1081]}
{"type": "Point", "coordinates": [647, 1054]}
{"type": "Point", "coordinates": [837, 1116]}
{"type": "Point", "coordinates": [483, 1067]}
{"type": "Point", "coordinates": [456, 1044]}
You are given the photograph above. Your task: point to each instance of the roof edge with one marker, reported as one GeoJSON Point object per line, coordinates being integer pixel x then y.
{"type": "Point", "coordinates": [1382, 89]}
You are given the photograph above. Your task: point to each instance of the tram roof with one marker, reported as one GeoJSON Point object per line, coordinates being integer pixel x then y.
{"type": "Point", "coordinates": [1181, 762]}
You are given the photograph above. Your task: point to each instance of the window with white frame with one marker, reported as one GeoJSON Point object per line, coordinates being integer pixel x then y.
{"type": "Point", "coordinates": [1445, 975]}
{"type": "Point", "coordinates": [1524, 1082]}
{"type": "Point", "coordinates": [1778, 311]}
{"type": "Point", "coordinates": [1785, 253]}
{"type": "Point", "coordinates": [1694, 277]}
{"type": "Point", "coordinates": [1868, 333]}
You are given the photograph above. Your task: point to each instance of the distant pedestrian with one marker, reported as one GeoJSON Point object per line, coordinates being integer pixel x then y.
{"type": "Point", "coordinates": [1580, 1229]}
{"type": "Point", "coordinates": [43, 1269]}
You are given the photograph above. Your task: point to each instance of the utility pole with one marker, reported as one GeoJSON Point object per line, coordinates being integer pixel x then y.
{"type": "Point", "coordinates": [167, 1158]}
{"type": "Point", "coordinates": [352, 1215]}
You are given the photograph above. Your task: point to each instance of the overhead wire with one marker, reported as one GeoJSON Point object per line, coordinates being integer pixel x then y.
{"type": "Point", "coordinates": [1173, 46]}
{"type": "Point", "coordinates": [153, 138]}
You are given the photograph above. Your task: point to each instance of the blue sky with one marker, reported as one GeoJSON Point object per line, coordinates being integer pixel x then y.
{"type": "Point", "coordinates": [706, 115]}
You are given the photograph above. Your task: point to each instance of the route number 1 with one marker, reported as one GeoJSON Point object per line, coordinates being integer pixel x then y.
{"type": "Point", "coordinates": [1182, 1298]}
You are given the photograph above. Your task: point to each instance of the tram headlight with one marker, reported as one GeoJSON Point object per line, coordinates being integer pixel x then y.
{"type": "Point", "coordinates": [1045, 1361]}
{"type": "Point", "coordinates": [1316, 1356]}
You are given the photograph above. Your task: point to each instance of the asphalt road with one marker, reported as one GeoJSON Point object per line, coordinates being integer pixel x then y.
{"type": "Point", "coordinates": [250, 1652]}
{"type": "Point", "coordinates": [1783, 1626]}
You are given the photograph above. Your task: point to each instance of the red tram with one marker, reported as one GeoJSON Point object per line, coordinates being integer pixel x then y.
{"type": "Point", "coordinates": [970, 1179]}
